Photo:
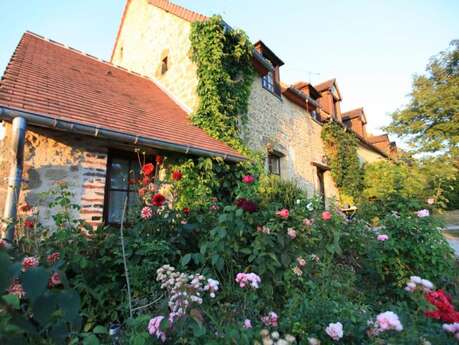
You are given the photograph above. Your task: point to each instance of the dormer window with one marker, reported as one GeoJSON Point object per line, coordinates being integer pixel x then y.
{"type": "Point", "coordinates": [270, 79]}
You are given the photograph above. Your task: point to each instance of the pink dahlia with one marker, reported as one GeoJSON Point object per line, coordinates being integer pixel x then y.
{"type": "Point", "coordinates": [16, 289]}
{"type": "Point", "coordinates": [146, 213]}
{"type": "Point", "coordinates": [53, 258]}
{"type": "Point", "coordinates": [54, 280]}
{"type": "Point", "coordinates": [29, 262]}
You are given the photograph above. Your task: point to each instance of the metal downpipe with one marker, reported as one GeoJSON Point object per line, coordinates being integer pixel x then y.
{"type": "Point", "coordinates": [15, 176]}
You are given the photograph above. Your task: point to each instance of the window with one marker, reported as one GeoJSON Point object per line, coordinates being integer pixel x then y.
{"type": "Point", "coordinates": [268, 82]}
{"type": "Point", "coordinates": [122, 170]}
{"type": "Point", "coordinates": [320, 177]}
{"type": "Point", "coordinates": [274, 164]}
{"type": "Point", "coordinates": [164, 65]}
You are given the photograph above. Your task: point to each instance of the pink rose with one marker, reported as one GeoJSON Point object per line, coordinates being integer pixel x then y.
{"type": "Point", "coordinates": [308, 222]}
{"type": "Point", "coordinates": [271, 319]}
{"type": "Point", "coordinates": [248, 179]}
{"type": "Point", "coordinates": [423, 213]}
{"type": "Point", "coordinates": [284, 213]}
{"type": "Point", "coordinates": [388, 321]}
{"type": "Point", "coordinates": [16, 289]}
{"type": "Point", "coordinates": [335, 331]}
{"type": "Point", "coordinates": [301, 262]}
{"type": "Point", "coordinates": [326, 215]}
{"type": "Point", "coordinates": [382, 237]}
{"type": "Point", "coordinates": [247, 323]}
{"type": "Point", "coordinates": [291, 232]}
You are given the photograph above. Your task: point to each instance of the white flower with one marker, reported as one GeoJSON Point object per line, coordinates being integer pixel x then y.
{"type": "Point", "coordinates": [416, 279]}
{"type": "Point", "coordinates": [427, 284]}
{"type": "Point", "coordinates": [275, 335]}
{"type": "Point", "coordinates": [310, 207]}
{"type": "Point", "coordinates": [313, 341]}
{"type": "Point", "coordinates": [290, 338]}
{"type": "Point", "coordinates": [335, 330]}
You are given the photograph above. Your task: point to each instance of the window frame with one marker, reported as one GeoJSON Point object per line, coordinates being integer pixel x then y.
{"type": "Point", "coordinates": [270, 84]}
{"type": "Point", "coordinates": [112, 155]}
{"type": "Point", "coordinates": [164, 65]}
{"type": "Point", "coordinates": [269, 165]}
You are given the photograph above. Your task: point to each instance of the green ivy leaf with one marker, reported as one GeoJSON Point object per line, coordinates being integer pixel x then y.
{"type": "Point", "coordinates": [185, 259]}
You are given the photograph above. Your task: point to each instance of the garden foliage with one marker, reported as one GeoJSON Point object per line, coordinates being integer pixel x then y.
{"type": "Point", "coordinates": [239, 267]}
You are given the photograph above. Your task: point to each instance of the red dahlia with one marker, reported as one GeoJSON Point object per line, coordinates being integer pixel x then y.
{"type": "Point", "coordinates": [177, 175]}
{"type": "Point", "coordinates": [148, 169]}
{"type": "Point", "coordinates": [158, 200]}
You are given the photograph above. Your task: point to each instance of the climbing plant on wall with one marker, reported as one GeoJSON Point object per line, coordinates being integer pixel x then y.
{"type": "Point", "coordinates": [341, 151]}
{"type": "Point", "coordinates": [225, 74]}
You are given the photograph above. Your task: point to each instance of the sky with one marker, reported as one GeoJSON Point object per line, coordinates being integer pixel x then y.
{"type": "Point", "coordinates": [373, 48]}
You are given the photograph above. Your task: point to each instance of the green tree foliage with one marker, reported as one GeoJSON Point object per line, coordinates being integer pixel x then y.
{"type": "Point", "coordinates": [430, 120]}
{"type": "Point", "coordinates": [225, 74]}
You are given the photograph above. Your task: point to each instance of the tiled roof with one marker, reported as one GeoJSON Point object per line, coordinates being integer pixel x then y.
{"type": "Point", "coordinates": [351, 114]}
{"type": "Point", "coordinates": [326, 85]}
{"type": "Point", "coordinates": [47, 78]}
{"type": "Point", "coordinates": [178, 11]}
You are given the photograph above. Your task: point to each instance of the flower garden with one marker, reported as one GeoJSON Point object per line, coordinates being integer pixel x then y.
{"type": "Point", "coordinates": [220, 254]}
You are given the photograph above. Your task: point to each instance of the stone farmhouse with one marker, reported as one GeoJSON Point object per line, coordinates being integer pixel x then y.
{"type": "Point", "coordinates": [70, 117]}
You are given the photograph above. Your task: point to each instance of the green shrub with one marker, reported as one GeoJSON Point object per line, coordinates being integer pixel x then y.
{"type": "Point", "coordinates": [273, 189]}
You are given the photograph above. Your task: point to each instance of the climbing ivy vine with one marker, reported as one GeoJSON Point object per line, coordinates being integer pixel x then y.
{"type": "Point", "coordinates": [341, 151]}
{"type": "Point", "coordinates": [225, 74]}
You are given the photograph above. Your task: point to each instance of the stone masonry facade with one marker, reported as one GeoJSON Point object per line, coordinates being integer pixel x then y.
{"type": "Point", "coordinates": [51, 158]}
{"type": "Point", "coordinates": [149, 33]}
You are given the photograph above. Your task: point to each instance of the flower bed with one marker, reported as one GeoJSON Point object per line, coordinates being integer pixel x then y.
{"type": "Point", "coordinates": [239, 269]}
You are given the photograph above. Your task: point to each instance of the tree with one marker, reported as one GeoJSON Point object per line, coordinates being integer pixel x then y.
{"type": "Point", "coordinates": [430, 120]}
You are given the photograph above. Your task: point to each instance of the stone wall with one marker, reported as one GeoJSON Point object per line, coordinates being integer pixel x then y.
{"type": "Point", "coordinates": [52, 157]}
{"type": "Point", "coordinates": [289, 130]}
{"type": "Point", "coordinates": [148, 35]}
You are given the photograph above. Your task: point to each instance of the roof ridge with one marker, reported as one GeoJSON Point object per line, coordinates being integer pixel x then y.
{"type": "Point", "coordinates": [80, 52]}
{"type": "Point", "coordinates": [177, 10]}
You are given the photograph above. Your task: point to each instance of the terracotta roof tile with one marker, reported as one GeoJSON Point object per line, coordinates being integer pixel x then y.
{"type": "Point", "coordinates": [179, 11]}
{"type": "Point", "coordinates": [50, 79]}
{"type": "Point", "coordinates": [325, 85]}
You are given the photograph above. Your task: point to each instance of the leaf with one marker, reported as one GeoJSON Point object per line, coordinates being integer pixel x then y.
{"type": "Point", "coordinates": [185, 259]}
{"type": "Point", "coordinates": [35, 282]}
{"type": "Point", "coordinates": [43, 307]}
{"type": "Point", "coordinates": [99, 330]}
{"type": "Point", "coordinates": [5, 276]}
{"type": "Point", "coordinates": [91, 340]}
{"type": "Point", "coordinates": [69, 302]}
{"type": "Point", "coordinates": [12, 300]}
{"type": "Point", "coordinates": [138, 340]}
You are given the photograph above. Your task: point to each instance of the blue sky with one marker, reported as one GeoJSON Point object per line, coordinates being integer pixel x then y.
{"type": "Point", "coordinates": [372, 47]}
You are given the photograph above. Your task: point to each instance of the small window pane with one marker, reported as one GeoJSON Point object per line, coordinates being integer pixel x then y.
{"type": "Point", "coordinates": [274, 164]}
{"type": "Point", "coordinates": [119, 174]}
{"type": "Point", "coordinates": [134, 199]}
{"type": "Point", "coordinates": [115, 206]}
